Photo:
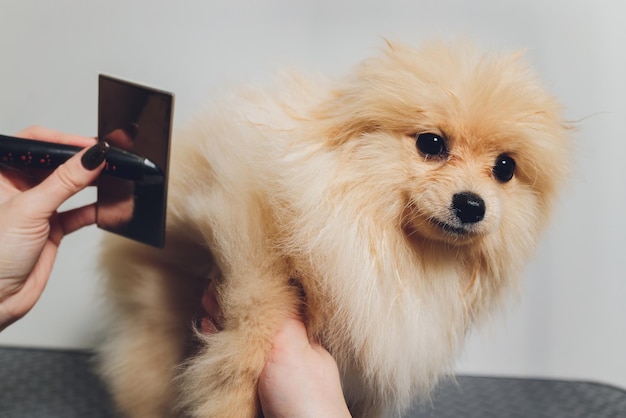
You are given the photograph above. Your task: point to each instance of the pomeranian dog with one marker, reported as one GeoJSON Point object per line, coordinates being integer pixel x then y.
{"type": "Point", "coordinates": [395, 207]}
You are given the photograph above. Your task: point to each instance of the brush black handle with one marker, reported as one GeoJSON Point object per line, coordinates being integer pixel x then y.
{"type": "Point", "coordinates": [21, 153]}
{"type": "Point", "coordinates": [17, 152]}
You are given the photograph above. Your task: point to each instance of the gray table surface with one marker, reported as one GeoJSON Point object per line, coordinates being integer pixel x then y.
{"type": "Point", "coordinates": [38, 383]}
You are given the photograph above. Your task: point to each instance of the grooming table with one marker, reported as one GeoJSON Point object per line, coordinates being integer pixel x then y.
{"type": "Point", "coordinates": [38, 383]}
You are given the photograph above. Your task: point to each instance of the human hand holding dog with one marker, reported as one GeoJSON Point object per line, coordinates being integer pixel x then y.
{"type": "Point", "coordinates": [300, 378]}
{"type": "Point", "coordinates": [32, 229]}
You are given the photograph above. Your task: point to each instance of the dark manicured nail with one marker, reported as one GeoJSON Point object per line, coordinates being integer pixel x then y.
{"type": "Point", "coordinates": [95, 155]}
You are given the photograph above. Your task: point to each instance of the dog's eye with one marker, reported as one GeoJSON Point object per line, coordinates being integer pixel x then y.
{"type": "Point", "coordinates": [504, 168]}
{"type": "Point", "coordinates": [431, 145]}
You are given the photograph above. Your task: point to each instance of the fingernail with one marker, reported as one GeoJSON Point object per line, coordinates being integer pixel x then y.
{"type": "Point", "coordinates": [95, 155]}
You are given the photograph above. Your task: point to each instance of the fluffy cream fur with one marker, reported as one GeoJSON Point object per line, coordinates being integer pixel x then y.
{"type": "Point", "coordinates": [321, 183]}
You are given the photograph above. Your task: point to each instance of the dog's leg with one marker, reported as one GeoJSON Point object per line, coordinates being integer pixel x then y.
{"type": "Point", "coordinates": [221, 380]}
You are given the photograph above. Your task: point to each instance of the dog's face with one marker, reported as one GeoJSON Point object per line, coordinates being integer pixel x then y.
{"type": "Point", "coordinates": [466, 145]}
{"type": "Point", "coordinates": [462, 184]}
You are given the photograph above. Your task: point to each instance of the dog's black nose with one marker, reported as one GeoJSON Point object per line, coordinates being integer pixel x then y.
{"type": "Point", "coordinates": [468, 207]}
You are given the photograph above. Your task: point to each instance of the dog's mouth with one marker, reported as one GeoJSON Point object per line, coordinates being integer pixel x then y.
{"type": "Point", "coordinates": [431, 226]}
{"type": "Point", "coordinates": [450, 229]}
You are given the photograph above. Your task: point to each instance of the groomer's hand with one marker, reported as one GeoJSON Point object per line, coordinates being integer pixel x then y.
{"type": "Point", "coordinates": [300, 378]}
{"type": "Point", "coordinates": [31, 229]}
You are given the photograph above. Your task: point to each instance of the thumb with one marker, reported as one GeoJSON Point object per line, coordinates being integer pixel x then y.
{"type": "Point", "coordinates": [68, 179]}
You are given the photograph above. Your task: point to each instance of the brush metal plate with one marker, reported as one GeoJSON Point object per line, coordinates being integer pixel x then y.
{"type": "Point", "coordinates": [137, 119]}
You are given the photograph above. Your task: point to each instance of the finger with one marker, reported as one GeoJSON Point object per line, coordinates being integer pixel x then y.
{"type": "Point", "coordinates": [292, 336]}
{"type": "Point", "coordinates": [210, 304]}
{"type": "Point", "coordinates": [212, 319]}
{"type": "Point", "coordinates": [207, 326]}
{"type": "Point", "coordinates": [49, 135]}
{"type": "Point", "coordinates": [75, 219]}
{"type": "Point", "coordinates": [68, 179]}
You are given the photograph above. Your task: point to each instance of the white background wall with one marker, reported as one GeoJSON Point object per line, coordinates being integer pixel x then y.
{"type": "Point", "coordinates": [570, 320]}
